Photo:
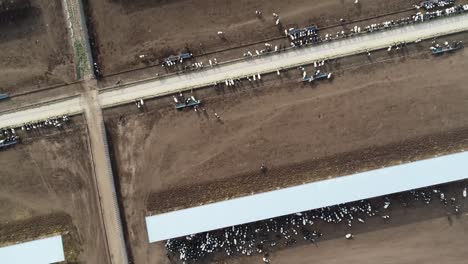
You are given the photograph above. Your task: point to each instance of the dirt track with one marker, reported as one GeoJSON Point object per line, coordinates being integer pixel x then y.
{"type": "Point", "coordinates": [47, 186]}
{"type": "Point", "coordinates": [366, 117]}
{"type": "Point", "coordinates": [104, 179]}
{"type": "Point", "coordinates": [175, 26]}
{"type": "Point", "coordinates": [35, 48]}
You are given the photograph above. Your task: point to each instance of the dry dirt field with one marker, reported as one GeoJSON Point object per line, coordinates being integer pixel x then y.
{"type": "Point", "coordinates": [368, 116]}
{"type": "Point", "coordinates": [35, 50]}
{"type": "Point", "coordinates": [47, 186]}
{"type": "Point", "coordinates": [161, 28]}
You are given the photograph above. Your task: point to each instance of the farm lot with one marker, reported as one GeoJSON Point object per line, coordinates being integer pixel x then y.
{"type": "Point", "coordinates": [416, 233]}
{"type": "Point", "coordinates": [35, 46]}
{"type": "Point", "coordinates": [368, 116]}
{"type": "Point", "coordinates": [158, 29]}
{"type": "Point", "coordinates": [47, 187]}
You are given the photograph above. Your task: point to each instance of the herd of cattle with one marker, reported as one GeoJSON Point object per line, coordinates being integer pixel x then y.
{"type": "Point", "coordinates": [299, 37]}
{"type": "Point", "coordinates": [9, 136]}
{"type": "Point", "coordinates": [262, 236]}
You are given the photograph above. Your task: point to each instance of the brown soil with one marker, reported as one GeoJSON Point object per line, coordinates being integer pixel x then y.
{"type": "Point", "coordinates": [47, 186]}
{"type": "Point", "coordinates": [158, 29]}
{"type": "Point", "coordinates": [317, 169]}
{"type": "Point", "coordinates": [368, 116]}
{"type": "Point", "coordinates": [35, 47]}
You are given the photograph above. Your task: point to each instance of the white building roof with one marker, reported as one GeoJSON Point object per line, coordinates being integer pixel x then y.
{"type": "Point", "coordinates": [42, 251]}
{"type": "Point", "coordinates": [307, 197]}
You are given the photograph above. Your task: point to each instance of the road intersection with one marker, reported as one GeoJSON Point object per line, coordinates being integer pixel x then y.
{"type": "Point", "coordinates": [262, 64]}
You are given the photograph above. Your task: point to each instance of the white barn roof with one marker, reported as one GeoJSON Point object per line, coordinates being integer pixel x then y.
{"type": "Point", "coordinates": [42, 251]}
{"type": "Point", "coordinates": [307, 197]}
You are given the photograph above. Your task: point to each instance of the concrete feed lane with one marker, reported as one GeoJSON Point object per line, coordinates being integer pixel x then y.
{"type": "Point", "coordinates": [70, 106]}
{"type": "Point", "coordinates": [295, 57]}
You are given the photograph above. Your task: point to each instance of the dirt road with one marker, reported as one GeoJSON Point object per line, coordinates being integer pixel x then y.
{"type": "Point", "coordinates": [104, 178]}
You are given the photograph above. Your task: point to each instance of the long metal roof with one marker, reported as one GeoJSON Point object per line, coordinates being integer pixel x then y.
{"type": "Point", "coordinates": [309, 196]}
{"type": "Point", "coordinates": [41, 251]}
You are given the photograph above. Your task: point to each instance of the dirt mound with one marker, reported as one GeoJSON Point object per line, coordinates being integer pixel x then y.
{"type": "Point", "coordinates": [41, 226]}
{"type": "Point", "coordinates": [308, 171]}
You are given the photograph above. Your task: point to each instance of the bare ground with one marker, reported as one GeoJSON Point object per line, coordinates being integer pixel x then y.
{"type": "Point", "coordinates": [47, 186]}
{"type": "Point", "coordinates": [35, 48]}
